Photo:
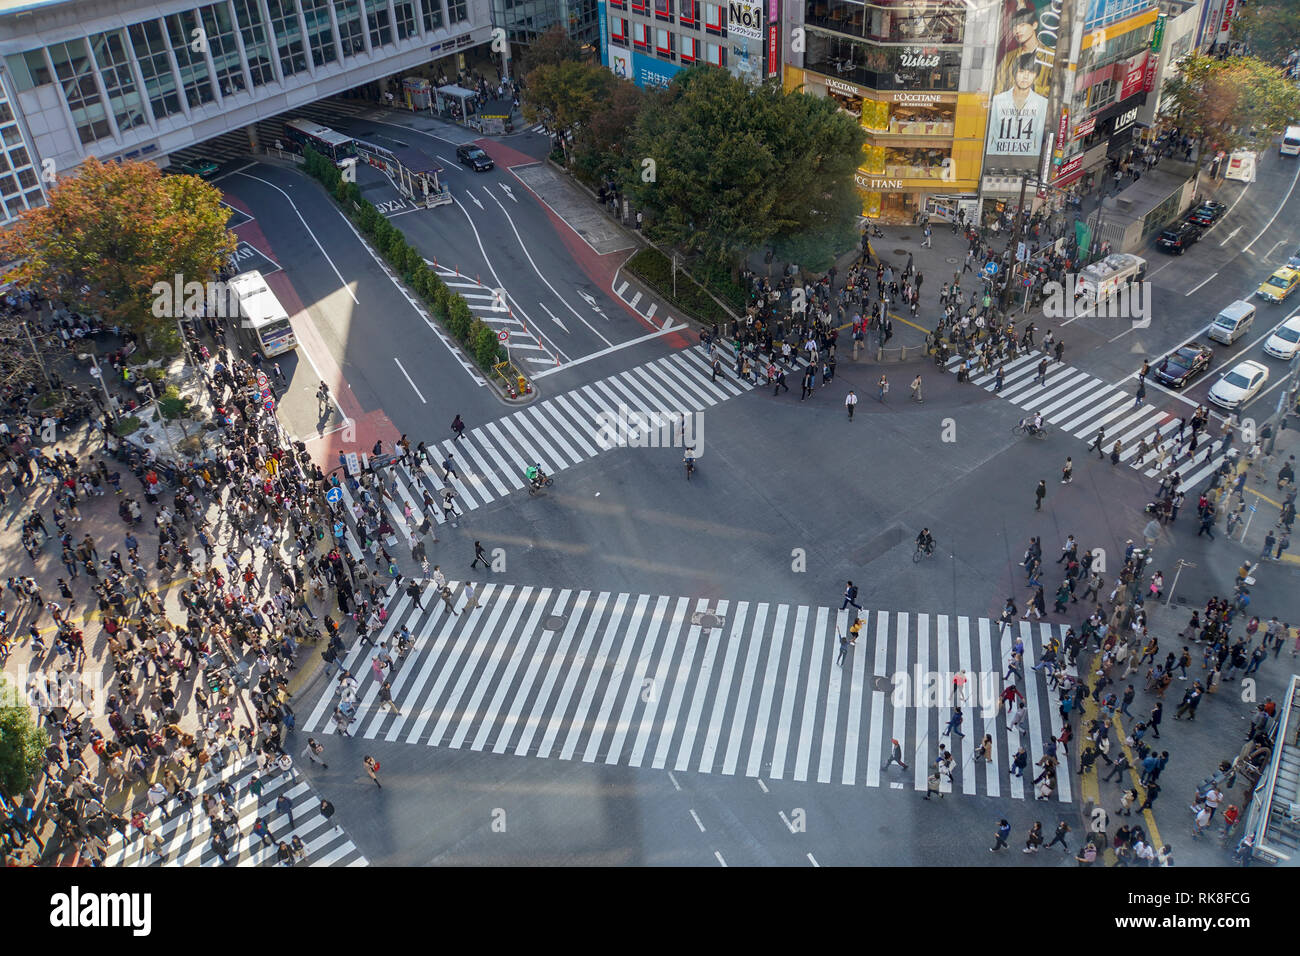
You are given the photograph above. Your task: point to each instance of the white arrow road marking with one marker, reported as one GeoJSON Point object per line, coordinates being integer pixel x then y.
{"type": "Point", "coordinates": [1228, 238]}
{"type": "Point", "coordinates": [474, 199]}
{"type": "Point", "coordinates": [508, 192]}
{"type": "Point", "coordinates": [591, 301]}
{"type": "Point", "coordinates": [552, 315]}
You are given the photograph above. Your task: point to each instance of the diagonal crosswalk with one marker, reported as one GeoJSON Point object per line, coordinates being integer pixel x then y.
{"type": "Point", "coordinates": [559, 432]}
{"type": "Point", "coordinates": [1077, 402]}
{"type": "Point", "coordinates": [187, 835]}
{"type": "Point", "coordinates": [692, 684]}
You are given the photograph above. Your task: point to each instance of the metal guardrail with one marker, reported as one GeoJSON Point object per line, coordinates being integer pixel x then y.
{"type": "Point", "coordinates": [1262, 809]}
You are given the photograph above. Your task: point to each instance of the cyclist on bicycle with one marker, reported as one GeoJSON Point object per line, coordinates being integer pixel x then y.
{"type": "Point", "coordinates": [535, 475]}
{"type": "Point", "coordinates": [925, 541]}
{"type": "Point", "coordinates": [1033, 425]}
{"type": "Point", "coordinates": [688, 456]}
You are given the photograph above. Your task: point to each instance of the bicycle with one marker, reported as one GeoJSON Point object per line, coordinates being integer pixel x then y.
{"type": "Point", "coordinates": [690, 467]}
{"type": "Point", "coordinates": [920, 554]}
{"type": "Point", "coordinates": [536, 486]}
{"type": "Point", "coordinates": [1024, 428]}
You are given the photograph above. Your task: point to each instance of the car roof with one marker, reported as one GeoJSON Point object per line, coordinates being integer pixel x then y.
{"type": "Point", "coordinates": [1249, 366]}
{"type": "Point", "coordinates": [1286, 272]}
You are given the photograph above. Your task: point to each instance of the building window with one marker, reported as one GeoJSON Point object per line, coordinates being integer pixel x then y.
{"type": "Point", "coordinates": [665, 44]}
{"type": "Point", "coordinates": [287, 30]}
{"type": "Point", "coordinates": [639, 6]}
{"type": "Point", "coordinates": [381, 31]}
{"type": "Point", "coordinates": [252, 28]}
{"type": "Point", "coordinates": [689, 13]}
{"type": "Point", "coordinates": [155, 67]}
{"type": "Point", "coordinates": [618, 30]}
{"type": "Point", "coordinates": [76, 76]}
{"type": "Point", "coordinates": [22, 190]}
{"type": "Point", "coordinates": [115, 71]}
{"type": "Point", "coordinates": [320, 38]}
{"type": "Point", "coordinates": [618, 4]}
{"type": "Point", "coordinates": [29, 69]}
{"type": "Point", "coordinates": [405, 13]}
{"type": "Point", "coordinates": [715, 54]}
{"type": "Point", "coordinates": [220, 28]}
{"type": "Point", "coordinates": [190, 63]}
{"type": "Point", "coordinates": [457, 11]}
{"type": "Point", "coordinates": [663, 9]}
{"type": "Point", "coordinates": [351, 33]}
{"type": "Point", "coordinates": [690, 49]}
{"type": "Point", "coordinates": [715, 19]}
{"type": "Point", "coordinates": [641, 36]}
{"type": "Point", "coordinates": [433, 19]}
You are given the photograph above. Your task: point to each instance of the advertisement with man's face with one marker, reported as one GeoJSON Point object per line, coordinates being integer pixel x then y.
{"type": "Point", "coordinates": [1022, 79]}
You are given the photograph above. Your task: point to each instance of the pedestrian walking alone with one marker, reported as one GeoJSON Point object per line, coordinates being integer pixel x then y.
{"type": "Point", "coordinates": [372, 769]}
{"type": "Point", "coordinates": [1039, 494]}
{"type": "Point", "coordinates": [1000, 836]}
{"type": "Point", "coordinates": [1067, 473]}
{"type": "Point", "coordinates": [882, 388]}
{"type": "Point", "coordinates": [850, 403]}
{"type": "Point", "coordinates": [895, 755]}
{"type": "Point", "coordinates": [313, 750]}
{"type": "Point", "coordinates": [480, 555]}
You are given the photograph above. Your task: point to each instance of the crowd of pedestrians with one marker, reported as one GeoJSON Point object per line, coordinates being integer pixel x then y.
{"type": "Point", "coordinates": [161, 652]}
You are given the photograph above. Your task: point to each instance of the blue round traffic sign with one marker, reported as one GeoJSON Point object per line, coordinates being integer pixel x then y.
{"type": "Point", "coordinates": [334, 496]}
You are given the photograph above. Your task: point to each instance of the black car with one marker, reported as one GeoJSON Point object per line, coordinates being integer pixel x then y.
{"type": "Point", "coordinates": [1207, 213]}
{"type": "Point", "coordinates": [473, 157]}
{"type": "Point", "coordinates": [1178, 237]}
{"type": "Point", "coordinates": [1183, 364]}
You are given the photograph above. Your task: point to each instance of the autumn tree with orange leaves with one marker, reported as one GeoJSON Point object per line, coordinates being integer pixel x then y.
{"type": "Point", "coordinates": [113, 230]}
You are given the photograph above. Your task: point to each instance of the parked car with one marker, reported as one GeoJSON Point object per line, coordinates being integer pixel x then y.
{"type": "Point", "coordinates": [473, 157]}
{"type": "Point", "coordinates": [1178, 237]}
{"type": "Point", "coordinates": [1285, 340]}
{"type": "Point", "coordinates": [1207, 213]}
{"type": "Point", "coordinates": [1183, 364]}
{"type": "Point", "coordinates": [203, 168]}
{"type": "Point", "coordinates": [1239, 385]}
{"type": "Point", "coordinates": [1279, 285]}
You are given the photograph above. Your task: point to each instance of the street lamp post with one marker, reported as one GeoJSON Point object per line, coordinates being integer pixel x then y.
{"type": "Point", "coordinates": [158, 410]}
{"type": "Point", "coordinates": [98, 375]}
{"type": "Point", "coordinates": [1178, 569]}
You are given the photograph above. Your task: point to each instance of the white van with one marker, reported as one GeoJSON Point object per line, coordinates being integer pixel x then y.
{"type": "Point", "coordinates": [1104, 278]}
{"type": "Point", "coordinates": [1233, 322]}
{"type": "Point", "coordinates": [1290, 142]}
{"type": "Point", "coordinates": [1241, 166]}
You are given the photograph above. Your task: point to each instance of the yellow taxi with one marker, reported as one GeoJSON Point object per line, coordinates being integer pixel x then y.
{"type": "Point", "coordinates": [1280, 284]}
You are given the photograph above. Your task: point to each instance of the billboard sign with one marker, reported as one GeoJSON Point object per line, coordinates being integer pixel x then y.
{"type": "Point", "coordinates": [620, 62]}
{"type": "Point", "coordinates": [1130, 75]}
{"type": "Point", "coordinates": [1227, 16]}
{"type": "Point", "coordinates": [1086, 127]}
{"type": "Point", "coordinates": [745, 19]}
{"type": "Point", "coordinates": [1022, 79]}
{"type": "Point", "coordinates": [773, 49]}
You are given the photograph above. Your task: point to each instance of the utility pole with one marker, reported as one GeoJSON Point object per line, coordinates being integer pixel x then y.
{"type": "Point", "coordinates": [1178, 569]}
{"type": "Point", "coordinates": [37, 352]}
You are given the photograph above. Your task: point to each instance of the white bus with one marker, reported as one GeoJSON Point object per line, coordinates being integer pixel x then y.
{"type": "Point", "coordinates": [1290, 142]}
{"type": "Point", "coordinates": [263, 323]}
{"type": "Point", "coordinates": [302, 133]}
{"type": "Point", "coordinates": [1103, 279]}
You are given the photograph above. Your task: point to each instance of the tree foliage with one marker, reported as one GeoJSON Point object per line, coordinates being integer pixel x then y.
{"type": "Point", "coordinates": [552, 48]}
{"type": "Point", "coordinates": [1219, 102]}
{"type": "Point", "coordinates": [1269, 29]}
{"type": "Point", "coordinates": [112, 230]}
{"type": "Point", "coordinates": [602, 141]}
{"type": "Point", "coordinates": [22, 745]}
{"type": "Point", "coordinates": [739, 166]}
{"type": "Point", "coordinates": [566, 95]}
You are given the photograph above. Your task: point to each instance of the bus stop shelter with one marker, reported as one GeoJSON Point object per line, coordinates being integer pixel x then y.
{"type": "Point", "coordinates": [416, 175]}
{"type": "Point", "coordinates": [456, 100]}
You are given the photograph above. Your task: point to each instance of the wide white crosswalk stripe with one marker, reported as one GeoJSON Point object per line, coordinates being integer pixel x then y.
{"type": "Point", "coordinates": [643, 680]}
{"type": "Point", "coordinates": [1080, 404]}
{"type": "Point", "coordinates": [187, 836]}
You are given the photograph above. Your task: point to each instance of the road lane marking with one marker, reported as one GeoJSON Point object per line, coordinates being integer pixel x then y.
{"type": "Point", "coordinates": [408, 379]}
{"type": "Point", "coordinates": [1203, 281]}
{"type": "Point", "coordinates": [696, 817]}
{"type": "Point", "coordinates": [553, 316]}
{"type": "Point", "coordinates": [1276, 212]}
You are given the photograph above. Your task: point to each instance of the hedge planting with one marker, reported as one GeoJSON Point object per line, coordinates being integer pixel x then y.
{"type": "Point", "coordinates": [655, 269]}
{"type": "Point", "coordinates": [448, 308]}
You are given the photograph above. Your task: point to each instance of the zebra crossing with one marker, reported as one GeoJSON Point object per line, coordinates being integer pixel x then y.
{"type": "Point", "coordinates": [558, 432]}
{"type": "Point", "coordinates": [726, 687]}
{"type": "Point", "coordinates": [490, 306]}
{"type": "Point", "coordinates": [1080, 404]}
{"type": "Point", "coordinates": [187, 837]}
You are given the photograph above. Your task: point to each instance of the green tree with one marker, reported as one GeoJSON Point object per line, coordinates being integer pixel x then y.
{"type": "Point", "coordinates": [566, 95]}
{"type": "Point", "coordinates": [1220, 102]}
{"type": "Point", "coordinates": [602, 142]}
{"type": "Point", "coordinates": [552, 48]}
{"type": "Point", "coordinates": [459, 317]}
{"type": "Point", "coordinates": [487, 349]}
{"type": "Point", "coordinates": [22, 744]}
{"type": "Point", "coordinates": [116, 229]}
{"type": "Point", "coordinates": [738, 166]}
{"type": "Point", "coordinates": [1269, 28]}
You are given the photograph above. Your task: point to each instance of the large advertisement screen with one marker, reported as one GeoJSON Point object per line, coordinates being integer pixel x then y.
{"type": "Point", "coordinates": [1022, 80]}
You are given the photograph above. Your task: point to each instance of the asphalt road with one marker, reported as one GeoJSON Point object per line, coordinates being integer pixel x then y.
{"type": "Point", "coordinates": [791, 500]}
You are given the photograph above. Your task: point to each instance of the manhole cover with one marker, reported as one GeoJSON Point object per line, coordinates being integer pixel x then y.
{"type": "Point", "coordinates": [706, 619]}
{"type": "Point", "coordinates": [553, 623]}
{"type": "Point", "coordinates": [882, 683]}
{"type": "Point", "coordinates": [900, 252]}
{"type": "Point", "coordinates": [952, 260]}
